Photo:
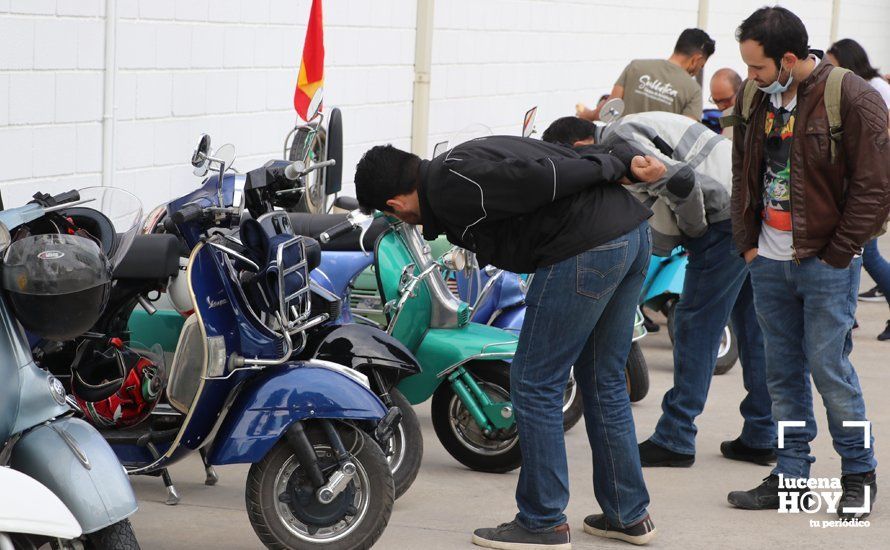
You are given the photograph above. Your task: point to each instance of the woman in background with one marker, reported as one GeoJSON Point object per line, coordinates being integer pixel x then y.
{"type": "Point", "coordinates": [847, 53]}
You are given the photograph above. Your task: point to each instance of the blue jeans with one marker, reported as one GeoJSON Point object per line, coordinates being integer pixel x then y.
{"type": "Point", "coordinates": [581, 313]}
{"type": "Point", "coordinates": [716, 288]}
{"type": "Point", "coordinates": [807, 312]}
{"type": "Point", "coordinates": [877, 267]}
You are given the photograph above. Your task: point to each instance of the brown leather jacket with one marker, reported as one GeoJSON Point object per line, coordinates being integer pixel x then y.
{"type": "Point", "coordinates": [835, 208]}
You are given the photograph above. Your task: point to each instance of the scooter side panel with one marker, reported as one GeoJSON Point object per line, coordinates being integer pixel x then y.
{"type": "Point", "coordinates": [668, 280]}
{"type": "Point", "coordinates": [510, 320]}
{"type": "Point", "coordinates": [442, 348]}
{"type": "Point", "coordinates": [161, 328]}
{"type": "Point", "coordinates": [276, 398]}
{"type": "Point", "coordinates": [99, 494]}
{"type": "Point", "coordinates": [338, 269]}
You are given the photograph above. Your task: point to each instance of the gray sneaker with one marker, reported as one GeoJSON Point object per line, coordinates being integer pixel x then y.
{"type": "Point", "coordinates": [639, 533]}
{"type": "Point", "coordinates": [512, 536]}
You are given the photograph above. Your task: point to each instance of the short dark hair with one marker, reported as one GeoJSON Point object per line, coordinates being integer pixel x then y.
{"type": "Point", "coordinates": [778, 30]}
{"type": "Point", "coordinates": [567, 130]}
{"type": "Point", "coordinates": [383, 173]}
{"type": "Point", "coordinates": [851, 55]}
{"type": "Point", "coordinates": [693, 41]}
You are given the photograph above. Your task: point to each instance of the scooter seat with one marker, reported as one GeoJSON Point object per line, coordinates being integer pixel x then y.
{"type": "Point", "coordinates": [313, 225]}
{"type": "Point", "coordinates": [150, 257]}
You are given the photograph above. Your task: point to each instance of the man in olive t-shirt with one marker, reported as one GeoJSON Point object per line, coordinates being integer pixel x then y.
{"type": "Point", "coordinates": [664, 84]}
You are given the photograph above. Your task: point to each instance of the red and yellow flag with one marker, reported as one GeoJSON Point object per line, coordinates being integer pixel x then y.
{"type": "Point", "coordinates": [311, 77]}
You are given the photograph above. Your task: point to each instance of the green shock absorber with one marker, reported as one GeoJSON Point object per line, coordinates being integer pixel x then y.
{"type": "Point", "coordinates": [487, 413]}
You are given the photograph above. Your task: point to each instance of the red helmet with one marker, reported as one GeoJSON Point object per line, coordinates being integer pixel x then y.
{"type": "Point", "coordinates": [114, 385]}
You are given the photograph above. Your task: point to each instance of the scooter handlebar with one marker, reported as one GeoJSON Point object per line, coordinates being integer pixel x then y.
{"type": "Point", "coordinates": [188, 213]}
{"type": "Point", "coordinates": [341, 228]}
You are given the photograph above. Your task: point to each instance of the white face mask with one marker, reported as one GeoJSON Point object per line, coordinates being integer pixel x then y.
{"type": "Point", "coordinates": [776, 87]}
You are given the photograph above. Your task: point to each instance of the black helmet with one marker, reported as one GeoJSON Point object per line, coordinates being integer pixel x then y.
{"type": "Point", "coordinates": [57, 272]}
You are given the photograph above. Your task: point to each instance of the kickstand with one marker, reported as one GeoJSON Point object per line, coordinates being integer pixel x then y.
{"type": "Point", "coordinates": [210, 472]}
{"type": "Point", "coordinates": [172, 494]}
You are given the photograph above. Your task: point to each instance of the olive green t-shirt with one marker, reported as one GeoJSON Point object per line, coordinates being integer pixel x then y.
{"type": "Point", "coordinates": [659, 85]}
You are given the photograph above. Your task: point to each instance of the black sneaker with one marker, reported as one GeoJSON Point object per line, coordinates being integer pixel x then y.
{"type": "Point", "coordinates": [736, 450]}
{"type": "Point", "coordinates": [512, 536]}
{"type": "Point", "coordinates": [873, 295]}
{"type": "Point", "coordinates": [653, 455]}
{"type": "Point", "coordinates": [763, 497]}
{"type": "Point", "coordinates": [886, 334]}
{"type": "Point", "coordinates": [640, 533]}
{"type": "Point", "coordinates": [854, 494]}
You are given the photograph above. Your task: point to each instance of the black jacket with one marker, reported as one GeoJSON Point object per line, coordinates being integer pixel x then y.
{"type": "Point", "coordinates": [521, 203]}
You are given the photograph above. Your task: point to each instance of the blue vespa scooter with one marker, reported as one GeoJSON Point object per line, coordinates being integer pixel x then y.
{"type": "Point", "coordinates": [311, 430]}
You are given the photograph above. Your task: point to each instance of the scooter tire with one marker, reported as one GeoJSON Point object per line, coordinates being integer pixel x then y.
{"type": "Point", "coordinates": [262, 498]}
{"type": "Point", "coordinates": [574, 411]}
{"type": "Point", "coordinates": [496, 376]}
{"type": "Point", "coordinates": [117, 536]}
{"type": "Point", "coordinates": [637, 372]}
{"type": "Point", "coordinates": [728, 360]}
{"type": "Point", "coordinates": [412, 452]}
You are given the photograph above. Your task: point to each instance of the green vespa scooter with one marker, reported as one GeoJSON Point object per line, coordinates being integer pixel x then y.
{"type": "Point", "coordinates": [464, 365]}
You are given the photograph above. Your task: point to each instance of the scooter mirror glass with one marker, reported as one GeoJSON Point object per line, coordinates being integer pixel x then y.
{"type": "Point", "coordinates": [612, 110]}
{"type": "Point", "coordinates": [455, 259]}
{"type": "Point", "coordinates": [226, 153]}
{"type": "Point", "coordinates": [5, 238]}
{"type": "Point", "coordinates": [315, 105]}
{"type": "Point", "coordinates": [199, 157]}
{"type": "Point", "coordinates": [528, 123]}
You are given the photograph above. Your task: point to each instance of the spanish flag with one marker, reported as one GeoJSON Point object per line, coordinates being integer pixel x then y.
{"type": "Point", "coordinates": [311, 78]}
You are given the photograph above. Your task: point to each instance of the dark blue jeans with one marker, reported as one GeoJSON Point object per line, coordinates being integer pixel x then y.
{"type": "Point", "coordinates": [716, 288]}
{"type": "Point", "coordinates": [807, 313]}
{"type": "Point", "coordinates": [877, 267]}
{"type": "Point", "coordinates": [581, 313]}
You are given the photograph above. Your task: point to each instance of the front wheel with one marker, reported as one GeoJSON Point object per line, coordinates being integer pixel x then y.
{"type": "Point", "coordinates": [573, 405]}
{"type": "Point", "coordinates": [406, 445]}
{"type": "Point", "coordinates": [285, 513]}
{"type": "Point", "coordinates": [637, 373]}
{"type": "Point", "coordinates": [728, 353]}
{"type": "Point", "coordinates": [461, 435]}
{"type": "Point", "coordinates": [117, 536]}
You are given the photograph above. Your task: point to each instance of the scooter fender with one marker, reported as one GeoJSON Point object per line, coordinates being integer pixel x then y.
{"type": "Point", "coordinates": [668, 280]}
{"type": "Point", "coordinates": [363, 348]}
{"type": "Point", "coordinates": [279, 396]}
{"type": "Point", "coordinates": [442, 350]}
{"type": "Point", "coordinates": [72, 460]}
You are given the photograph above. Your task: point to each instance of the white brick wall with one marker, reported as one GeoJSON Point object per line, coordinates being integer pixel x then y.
{"type": "Point", "coordinates": [228, 68]}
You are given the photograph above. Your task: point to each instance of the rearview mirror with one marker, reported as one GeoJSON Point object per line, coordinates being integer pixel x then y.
{"type": "Point", "coordinates": [612, 110]}
{"type": "Point", "coordinates": [315, 104]}
{"type": "Point", "coordinates": [455, 259]}
{"type": "Point", "coordinates": [226, 154]}
{"type": "Point", "coordinates": [528, 123]}
{"type": "Point", "coordinates": [199, 157]}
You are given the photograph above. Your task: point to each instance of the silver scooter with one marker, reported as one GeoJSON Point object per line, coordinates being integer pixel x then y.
{"type": "Point", "coordinates": [40, 437]}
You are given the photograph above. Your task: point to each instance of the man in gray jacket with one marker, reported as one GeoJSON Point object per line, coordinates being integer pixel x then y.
{"type": "Point", "coordinates": [691, 205]}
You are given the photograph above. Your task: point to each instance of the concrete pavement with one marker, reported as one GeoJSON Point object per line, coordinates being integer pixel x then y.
{"type": "Point", "coordinates": [688, 505]}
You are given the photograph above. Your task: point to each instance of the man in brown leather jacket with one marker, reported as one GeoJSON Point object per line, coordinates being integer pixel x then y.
{"type": "Point", "coordinates": [800, 217]}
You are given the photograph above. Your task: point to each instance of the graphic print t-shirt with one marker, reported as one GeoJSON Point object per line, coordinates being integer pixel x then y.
{"type": "Point", "coordinates": [776, 237]}
{"type": "Point", "coordinates": [659, 85]}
